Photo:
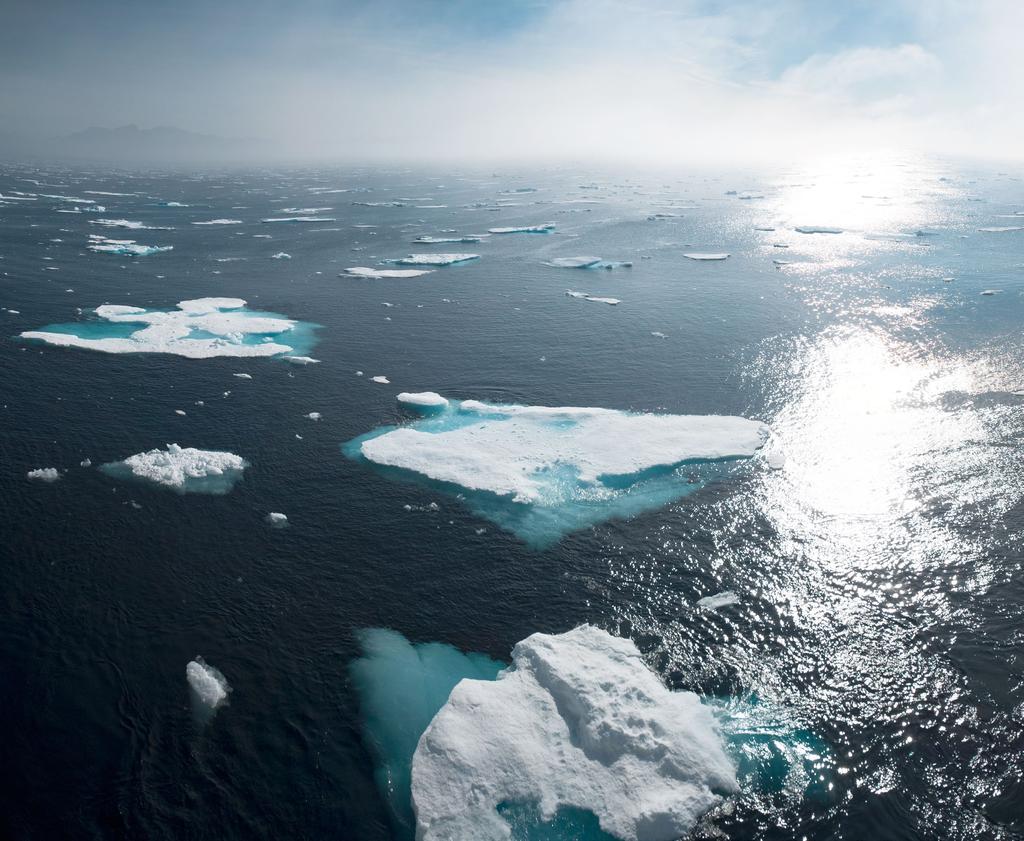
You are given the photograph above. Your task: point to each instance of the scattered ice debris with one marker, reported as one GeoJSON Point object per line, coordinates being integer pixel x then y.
{"type": "Point", "coordinates": [281, 255]}
{"type": "Point", "coordinates": [243, 376]}
{"type": "Point", "coordinates": [718, 600]}
{"type": "Point", "coordinates": [705, 256]}
{"type": "Point", "coordinates": [422, 400]}
{"type": "Point", "coordinates": [546, 228]}
{"type": "Point", "coordinates": [302, 360]}
{"type": "Point", "coordinates": [305, 211]}
{"type": "Point", "coordinates": [436, 259]}
{"type": "Point", "coordinates": [218, 221]}
{"type": "Point", "coordinates": [380, 379]}
{"type": "Point", "coordinates": [125, 247]}
{"type": "Point", "coordinates": [127, 223]}
{"type": "Point", "coordinates": [314, 416]}
{"type": "Point", "coordinates": [183, 469]}
{"type": "Point", "coordinates": [301, 219]}
{"type": "Point", "coordinates": [208, 684]}
{"type": "Point", "coordinates": [230, 330]}
{"type": "Point", "coordinates": [817, 229]}
{"type": "Point", "coordinates": [579, 721]}
{"type": "Point", "coordinates": [658, 334]}
{"type": "Point", "coordinates": [428, 240]}
{"type": "Point", "coordinates": [366, 271]}
{"type": "Point", "coordinates": [593, 298]}
{"type": "Point", "coordinates": [277, 519]}
{"type": "Point", "coordinates": [44, 474]}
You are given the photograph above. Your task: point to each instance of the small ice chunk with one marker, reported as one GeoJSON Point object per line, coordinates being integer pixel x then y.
{"type": "Point", "coordinates": [818, 229]}
{"type": "Point", "coordinates": [594, 298]}
{"type": "Point", "coordinates": [380, 379]}
{"type": "Point", "coordinates": [179, 411]}
{"type": "Point", "coordinates": [302, 360]}
{"type": "Point", "coordinates": [314, 416]}
{"type": "Point", "coordinates": [991, 291]}
{"type": "Point", "coordinates": [183, 469]}
{"type": "Point", "coordinates": [281, 255]}
{"type": "Point", "coordinates": [706, 255]}
{"type": "Point", "coordinates": [1002, 229]}
{"type": "Point", "coordinates": [277, 519]}
{"type": "Point", "coordinates": [216, 221]}
{"type": "Point", "coordinates": [85, 462]}
{"type": "Point", "coordinates": [546, 228]}
{"type": "Point", "coordinates": [422, 399]}
{"type": "Point", "coordinates": [366, 271]}
{"type": "Point", "coordinates": [243, 376]}
{"type": "Point", "coordinates": [44, 474]}
{"type": "Point", "coordinates": [718, 600]}
{"type": "Point", "coordinates": [428, 240]}
{"type": "Point", "coordinates": [573, 262]}
{"type": "Point", "coordinates": [208, 684]}
{"type": "Point", "coordinates": [436, 259]}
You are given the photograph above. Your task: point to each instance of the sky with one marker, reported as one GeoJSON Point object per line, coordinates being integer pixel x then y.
{"type": "Point", "coordinates": [642, 80]}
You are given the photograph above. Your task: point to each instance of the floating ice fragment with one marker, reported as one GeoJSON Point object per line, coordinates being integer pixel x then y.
{"type": "Point", "coordinates": [586, 263]}
{"type": "Point", "coordinates": [991, 291]}
{"type": "Point", "coordinates": [1002, 229]}
{"type": "Point", "coordinates": [425, 240]}
{"type": "Point", "coordinates": [422, 400]}
{"type": "Point", "coordinates": [85, 462]}
{"type": "Point", "coordinates": [658, 334]}
{"type": "Point", "coordinates": [277, 519]}
{"type": "Point", "coordinates": [281, 255]}
{"type": "Point", "coordinates": [301, 219]}
{"type": "Point", "coordinates": [366, 271]}
{"type": "Point", "coordinates": [546, 228]}
{"type": "Point", "coordinates": [579, 721]}
{"type": "Point", "coordinates": [208, 684]}
{"type": "Point", "coordinates": [243, 376]}
{"type": "Point", "coordinates": [705, 256]}
{"type": "Point", "coordinates": [818, 229]}
{"type": "Point", "coordinates": [216, 221]}
{"type": "Point", "coordinates": [183, 469]}
{"type": "Point", "coordinates": [179, 412]}
{"type": "Point", "coordinates": [593, 298]}
{"type": "Point", "coordinates": [127, 223]}
{"type": "Point", "coordinates": [44, 474]}
{"type": "Point", "coordinates": [302, 360]}
{"type": "Point", "coordinates": [436, 259]}
{"type": "Point", "coordinates": [314, 416]}
{"type": "Point", "coordinates": [718, 600]}
{"type": "Point", "coordinates": [124, 247]}
{"type": "Point", "coordinates": [380, 379]}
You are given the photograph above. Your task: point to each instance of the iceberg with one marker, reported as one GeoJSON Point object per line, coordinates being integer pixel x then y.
{"type": "Point", "coordinates": [594, 298]}
{"type": "Point", "coordinates": [209, 685]}
{"type": "Point", "coordinates": [423, 401]}
{"type": "Point", "coordinates": [44, 474]}
{"type": "Point", "coordinates": [129, 224]}
{"type": "Point", "coordinates": [541, 472]}
{"type": "Point", "coordinates": [435, 259]}
{"type": "Point", "coordinates": [366, 271]}
{"type": "Point", "coordinates": [546, 228]}
{"type": "Point", "coordinates": [718, 600]}
{"type": "Point", "coordinates": [197, 329]}
{"type": "Point", "coordinates": [125, 247]}
{"type": "Point", "coordinates": [182, 469]}
{"type": "Point", "coordinates": [705, 256]}
{"type": "Point", "coordinates": [277, 519]}
{"type": "Point", "coordinates": [214, 221]}
{"type": "Point", "coordinates": [577, 721]}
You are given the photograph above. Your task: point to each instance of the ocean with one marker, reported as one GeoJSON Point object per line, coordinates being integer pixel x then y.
{"type": "Point", "coordinates": [876, 565]}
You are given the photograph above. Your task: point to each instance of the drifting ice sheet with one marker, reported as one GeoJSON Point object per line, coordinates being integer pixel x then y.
{"type": "Point", "coordinates": [199, 329]}
{"type": "Point", "coordinates": [366, 271]}
{"type": "Point", "coordinates": [577, 721]}
{"type": "Point", "coordinates": [436, 259]}
{"type": "Point", "coordinates": [183, 469]}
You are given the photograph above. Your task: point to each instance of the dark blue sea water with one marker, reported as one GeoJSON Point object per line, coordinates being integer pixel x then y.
{"type": "Point", "coordinates": [879, 572]}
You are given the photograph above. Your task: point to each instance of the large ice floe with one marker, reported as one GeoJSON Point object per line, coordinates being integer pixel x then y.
{"type": "Point", "coordinates": [123, 247]}
{"type": "Point", "coordinates": [198, 329]}
{"type": "Point", "coordinates": [542, 472]}
{"type": "Point", "coordinates": [546, 228]}
{"type": "Point", "coordinates": [577, 739]}
{"type": "Point", "coordinates": [368, 271]}
{"type": "Point", "coordinates": [435, 259]}
{"type": "Point", "coordinates": [182, 469]}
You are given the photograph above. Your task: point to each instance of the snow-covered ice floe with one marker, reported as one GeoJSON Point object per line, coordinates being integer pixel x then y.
{"type": "Point", "coordinates": [706, 256]}
{"type": "Point", "coordinates": [44, 474]}
{"type": "Point", "coordinates": [542, 472]}
{"type": "Point", "coordinates": [212, 221]}
{"type": "Point", "coordinates": [718, 600]}
{"type": "Point", "coordinates": [435, 259]}
{"type": "Point", "coordinates": [817, 229]}
{"type": "Point", "coordinates": [209, 685]}
{"type": "Point", "coordinates": [423, 401]}
{"type": "Point", "coordinates": [198, 329]}
{"type": "Point", "coordinates": [546, 228]}
{"type": "Point", "coordinates": [367, 271]}
{"type": "Point", "coordinates": [429, 240]}
{"type": "Point", "coordinates": [182, 469]}
{"type": "Point", "coordinates": [124, 247]}
{"type": "Point", "coordinates": [301, 219]}
{"type": "Point", "coordinates": [597, 299]}
{"type": "Point", "coordinates": [277, 519]}
{"type": "Point", "coordinates": [586, 263]}
{"type": "Point", "coordinates": [1002, 229]}
{"type": "Point", "coordinates": [578, 730]}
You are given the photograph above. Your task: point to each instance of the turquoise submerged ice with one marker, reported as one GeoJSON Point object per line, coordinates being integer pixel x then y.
{"type": "Point", "coordinates": [542, 472]}
{"type": "Point", "coordinates": [198, 329]}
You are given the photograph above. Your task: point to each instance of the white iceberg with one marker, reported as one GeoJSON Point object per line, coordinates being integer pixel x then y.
{"type": "Point", "coordinates": [578, 720]}
{"type": "Point", "coordinates": [125, 247]}
{"type": "Point", "coordinates": [182, 469]}
{"type": "Point", "coordinates": [718, 600]}
{"type": "Point", "coordinates": [546, 228]}
{"type": "Point", "coordinates": [44, 474]}
{"type": "Point", "coordinates": [597, 299]}
{"type": "Point", "coordinates": [199, 329]}
{"type": "Point", "coordinates": [366, 271]}
{"type": "Point", "coordinates": [209, 685]}
{"type": "Point", "coordinates": [706, 256]}
{"type": "Point", "coordinates": [277, 519]}
{"type": "Point", "coordinates": [435, 259]}
{"type": "Point", "coordinates": [422, 399]}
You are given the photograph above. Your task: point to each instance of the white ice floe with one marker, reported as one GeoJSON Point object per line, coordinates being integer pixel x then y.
{"type": "Point", "coordinates": [216, 221]}
{"type": "Point", "coordinates": [301, 219]}
{"type": "Point", "coordinates": [44, 474]}
{"type": "Point", "coordinates": [314, 416]}
{"type": "Point", "coordinates": [124, 247]}
{"type": "Point", "coordinates": [243, 376]}
{"type": "Point", "coordinates": [573, 262]}
{"type": "Point", "coordinates": [514, 451]}
{"type": "Point", "coordinates": [277, 519]}
{"type": "Point", "coordinates": [281, 255]}
{"type": "Point", "coordinates": [422, 399]}
{"type": "Point", "coordinates": [580, 721]}
{"type": "Point", "coordinates": [380, 379]}
{"type": "Point", "coordinates": [818, 229]}
{"type": "Point", "coordinates": [366, 271]}
{"type": "Point", "coordinates": [991, 291]}
{"type": "Point", "coordinates": [129, 224]}
{"type": "Point", "coordinates": [435, 259]}
{"type": "Point", "coordinates": [183, 469]}
{"type": "Point", "coordinates": [428, 240]}
{"type": "Point", "coordinates": [546, 228]}
{"type": "Point", "coordinates": [706, 255]}
{"type": "Point", "coordinates": [208, 684]}
{"type": "Point", "coordinates": [302, 360]}
{"type": "Point", "coordinates": [583, 296]}
{"type": "Point", "coordinates": [223, 319]}
{"type": "Point", "coordinates": [718, 600]}
{"type": "Point", "coordinates": [1003, 229]}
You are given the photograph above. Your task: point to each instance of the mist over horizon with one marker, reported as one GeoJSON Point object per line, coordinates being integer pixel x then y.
{"type": "Point", "coordinates": [618, 81]}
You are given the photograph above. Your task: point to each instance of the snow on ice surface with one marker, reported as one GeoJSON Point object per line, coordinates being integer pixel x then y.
{"type": "Point", "coordinates": [542, 472]}
{"type": "Point", "coordinates": [208, 684]}
{"type": "Point", "coordinates": [44, 474]}
{"type": "Point", "coordinates": [125, 247]}
{"type": "Point", "coordinates": [705, 256]}
{"type": "Point", "coordinates": [579, 721]}
{"type": "Point", "coordinates": [366, 271]}
{"type": "Point", "coordinates": [435, 259]}
{"type": "Point", "coordinates": [546, 228]}
{"type": "Point", "coordinates": [183, 469]}
{"type": "Point", "coordinates": [199, 329]}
